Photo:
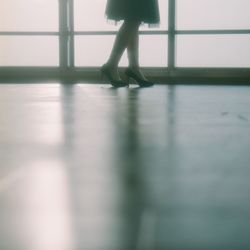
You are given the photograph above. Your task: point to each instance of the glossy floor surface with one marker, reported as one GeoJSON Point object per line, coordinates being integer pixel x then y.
{"type": "Point", "coordinates": [94, 168]}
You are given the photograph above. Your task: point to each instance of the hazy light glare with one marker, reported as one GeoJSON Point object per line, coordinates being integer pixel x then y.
{"type": "Point", "coordinates": [213, 14]}
{"type": "Point", "coordinates": [48, 207]}
{"type": "Point", "coordinates": [29, 51]}
{"type": "Point", "coordinates": [213, 51]}
{"type": "Point", "coordinates": [39, 122]}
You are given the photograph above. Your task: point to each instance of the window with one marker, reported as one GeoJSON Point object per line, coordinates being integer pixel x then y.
{"type": "Point", "coordinates": [213, 33]}
{"type": "Point", "coordinates": [29, 15]}
{"type": "Point", "coordinates": [27, 50]}
{"type": "Point", "coordinates": [212, 14]}
{"type": "Point", "coordinates": [218, 51]}
{"type": "Point", "coordinates": [30, 34]}
{"type": "Point", "coordinates": [75, 34]}
{"type": "Point", "coordinates": [27, 37]}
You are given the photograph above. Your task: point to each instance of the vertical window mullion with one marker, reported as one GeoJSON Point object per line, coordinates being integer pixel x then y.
{"type": "Point", "coordinates": [71, 34]}
{"type": "Point", "coordinates": [171, 33]}
{"type": "Point", "coordinates": [66, 34]}
{"type": "Point", "coordinates": [63, 30]}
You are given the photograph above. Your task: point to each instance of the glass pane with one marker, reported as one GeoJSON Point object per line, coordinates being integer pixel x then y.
{"type": "Point", "coordinates": [213, 14]}
{"type": "Point", "coordinates": [94, 50]}
{"type": "Point", "coordinates": [154, 50]}
{"type": "Point", "coordinates": [29, 51]}
{"type": "Point", "coordinates": [29, 15]}
{"type": "Point", "coordinates": [90, 16]}
{"type": "Point", "coordinates": [213, 51]}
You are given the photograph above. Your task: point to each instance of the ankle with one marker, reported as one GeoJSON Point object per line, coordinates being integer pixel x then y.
{"type": "Point", "coordinates": [137, 72]}
{"type": "Point", "coordinates": [111, 66]}
{"type": "Point", "coordinates": [135, 68]}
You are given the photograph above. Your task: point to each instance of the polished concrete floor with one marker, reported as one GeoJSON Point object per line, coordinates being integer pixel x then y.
{"type": "Point", "coordinates": [88, 167]}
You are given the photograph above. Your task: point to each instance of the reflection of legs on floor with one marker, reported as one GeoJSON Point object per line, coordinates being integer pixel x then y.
{"type": "Point", "coordinates": [88, 167]}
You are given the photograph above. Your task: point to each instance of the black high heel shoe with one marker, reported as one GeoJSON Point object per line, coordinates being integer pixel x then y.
{"type": "Point", "coordinates": [115, 83]}
{"type": "Point", "coordinates": [141, 82]}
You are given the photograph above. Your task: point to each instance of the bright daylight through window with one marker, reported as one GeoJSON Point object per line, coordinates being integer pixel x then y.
{"type": "Point", "coordinates": [207, 33]}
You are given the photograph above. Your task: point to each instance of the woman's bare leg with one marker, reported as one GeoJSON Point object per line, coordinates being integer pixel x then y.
{"type": "Point", "coordinates": [133, 54]}
{"type": "Point", "coordinates": [133, 49]}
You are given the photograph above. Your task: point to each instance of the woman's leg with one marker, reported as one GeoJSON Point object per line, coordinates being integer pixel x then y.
{"type": "Point", "coordinates": [133, 50]}
{"type": "Point", "coordinates": [122, 40]}
{"type": "Point", "coordinates": [133, 54]}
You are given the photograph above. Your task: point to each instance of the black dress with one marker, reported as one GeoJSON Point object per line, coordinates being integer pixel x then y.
{"type": "Point", "coordinates": [145, 11]}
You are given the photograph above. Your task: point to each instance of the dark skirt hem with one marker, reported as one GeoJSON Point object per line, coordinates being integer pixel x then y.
{"type": "Point", "coordinates": [143, 23]}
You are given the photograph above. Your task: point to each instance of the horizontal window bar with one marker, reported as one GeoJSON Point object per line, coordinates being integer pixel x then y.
{"type": "Point", "coordinates": [28, 33]}
{"type": "Point", "coordinates": [161, 32]}
{"type": "Point", "coordinates": [97, 68]}
{"type": "Point", "coordinates": [199, 75]}
{"type": "Point", "coordinates": [212, 32]}
{"type": "Point", "coordinates": [24, 33]}
{"type": "Point", "coordinates": [98, 33]}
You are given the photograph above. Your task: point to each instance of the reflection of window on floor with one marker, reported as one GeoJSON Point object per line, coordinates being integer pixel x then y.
{"type": "Point", "coordinates": [209, 33]}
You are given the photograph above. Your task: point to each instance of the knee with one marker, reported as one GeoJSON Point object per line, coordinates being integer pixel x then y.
{"type": "Point", "coordinates": [132, 25]}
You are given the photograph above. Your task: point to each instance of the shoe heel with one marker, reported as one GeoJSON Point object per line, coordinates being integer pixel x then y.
{"type": "Point", "coordinates": [141, 82]}
{"type": "Point", "coordinates": [115, 83]}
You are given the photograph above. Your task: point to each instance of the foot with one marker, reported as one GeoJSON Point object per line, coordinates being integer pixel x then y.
{"type": "Point", "coordinates": [113, 72]}
{"type": "Point", "coordinates": [138, 76]}
{"type": "Point", "coordinates": [113, 76]}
